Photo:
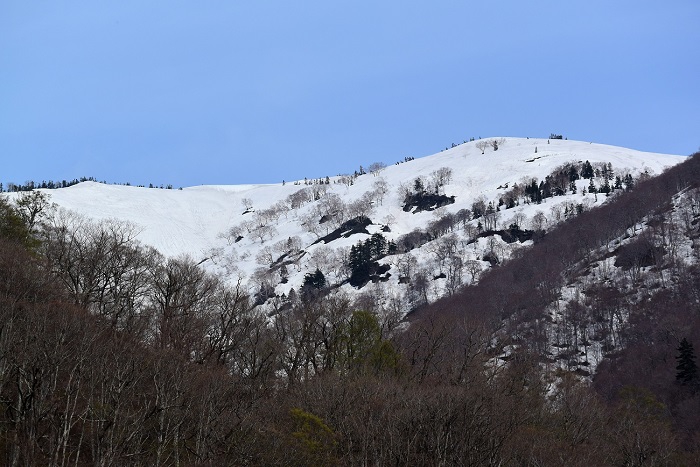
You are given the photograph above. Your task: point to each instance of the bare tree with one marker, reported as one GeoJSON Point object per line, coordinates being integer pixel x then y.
{"type": "Point", "coordinates": [381, 188]}
{"type": "Point", "coordinates": [321, 257]}
{"type": "Point", "coordinates": [233, 234]}
{"type": "Point", "coordinates": [247, 204]}
{"type": "Point", "coordinates": [482, 145]}
{"type": "Point", "coordinates": [180, 296]}
{"type": "Point", "coordinates": [407, 265]}
{"type": "Point", "coordinates": [455, 265]}
{"type": "Point", "coordinates": [389, 220]}
{"type": "Point", "coordinates": [491, 217]}
{"type": "Point", "coordinates": [441, 176]}
{"type": "Point", "coordinates": [473, 267]}
{"type": "Point", "coordinates": [265, 256]}
{"type": "Point", "coordinates": [539, 220]}
{"type": "Point", "coordinates": [332, 210]}
{"type": "Point", "coordinates": [375, 168]}
{"type": "Point", "coordinates": [519, 219]}
{"type": "Point", "coordinates": [361, 207]}
{"type": "Point", "coordinates": [443, 248]}
{"type": "Point", "coordinates": [311, 224]}
{"type": "Point", "coordinates": [264, 231]}
{"type": "Point", "coordinates": [299, 198]}
{"type": "Point", "coordinates": [99, 263]}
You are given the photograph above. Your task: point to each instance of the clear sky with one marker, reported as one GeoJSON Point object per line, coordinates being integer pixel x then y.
{"type": "Point", "coordinates": [230, 92]}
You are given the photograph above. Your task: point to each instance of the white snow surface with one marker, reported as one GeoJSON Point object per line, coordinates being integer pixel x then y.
{"type": "Point", "coordinates": [189, 221]}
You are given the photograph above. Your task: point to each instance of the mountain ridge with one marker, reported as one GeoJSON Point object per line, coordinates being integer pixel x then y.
{"type": "Point", "coordinates": [199, 221]}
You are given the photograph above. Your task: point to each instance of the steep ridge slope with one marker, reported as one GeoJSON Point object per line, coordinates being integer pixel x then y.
{"type": "Point", "coordinates": [574, 295]}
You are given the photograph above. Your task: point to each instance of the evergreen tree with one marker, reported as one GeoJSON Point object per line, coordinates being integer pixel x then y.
{"type": "Point", "coordinates": [618, 183]}
{"type": "Point", "coordinates": [545, 189]}
{"type": "Point", "coordinates": [377, 246]}
{"type": "Point", "coordinates": [533, 191]}
{"type": "Point", "coordinates": [418, 186]}
{"type": "Point", "coordinates": [573, 173]}
{"type": "Point", "coordinates": [360, 263]}
{"type": "Point", "coordinates": [592, 188]}
{"type": "Point", "coordinates": [686, 370]}
{"type": "Point", "coordinates": [587, 170]}
{"type": "Point", "coordinates": [315, 280]}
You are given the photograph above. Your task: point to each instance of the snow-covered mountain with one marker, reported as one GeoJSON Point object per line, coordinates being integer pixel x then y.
{"type": "Point", "coordinates": [251, 230]}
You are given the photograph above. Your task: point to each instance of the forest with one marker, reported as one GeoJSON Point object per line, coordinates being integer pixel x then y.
{"type": "Point", "coordinates": [576, 351]}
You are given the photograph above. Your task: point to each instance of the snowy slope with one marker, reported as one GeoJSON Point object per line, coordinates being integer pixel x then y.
{"type": "Point", "coordinates": [191, 221]}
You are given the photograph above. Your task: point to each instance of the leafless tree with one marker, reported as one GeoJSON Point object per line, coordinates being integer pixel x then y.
{"type": "Point", "coordinates": [381, 188]}
{"type": "Point", "coordinates": [441, 176]}
{"type": "Point", "coordinates": [519, 219]}
{"type": "Point", "coordinates": [181, 295]}
{"type": "Point", "coordinates": [299, 198]}
{"type": "Point", "coordinates": [491, 217]}
{"type": "Point", "coordinates": [443, 248]}
{"type": "Point", "coordinates": [332, 209]}
{"type": "Point", "coordinates": [247, 203]}
{"type": "Point", "coordinates": [389, 220]}
{"type": "Point", "coordinates": [361, 207]}
{"type": "Point", "coordinates": [482, 145]}
{"type": "Point", "coordinates": [473, 267]}
{"type": "Point", "coordinates": [406, 265]}
{"type": "Point", "coordinates": [321, 258]}
{"type": "Point", "coordinates": [455, 266]}
{"type": "Point", "coordinates": [264, 231]}
{"type": "Point", "coordinates": [310, 223]}
{"type": "Point", "coordinates": [265, 256]}
{"type": "Point", "coordinates": [233, 234]}
{"type": "Point", "coordinates": [375, 168]}
{"type": "Point", "coordinates": [404, 190]}
{"type": "Point", "coordinates": [539, 221]}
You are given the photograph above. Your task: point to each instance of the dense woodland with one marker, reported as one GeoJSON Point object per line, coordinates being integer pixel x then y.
{"type": "Point", "coordinates": [111, 354]}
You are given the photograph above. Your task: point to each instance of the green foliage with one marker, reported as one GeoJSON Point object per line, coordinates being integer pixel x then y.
{"type": "Point", "coordinates": [642, 403]}
{"type": "Point", "coordinates": [313, 442]}
{"type": "Point", "coordinates": [13, 227]}
{"type": "Point", "coordinates": [365, 349]}
{"type": "Point", "coordinates": [385, 358]}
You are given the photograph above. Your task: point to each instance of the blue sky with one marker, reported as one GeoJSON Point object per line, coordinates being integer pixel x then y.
{"type": "Point", "coordinates": [225, 92]}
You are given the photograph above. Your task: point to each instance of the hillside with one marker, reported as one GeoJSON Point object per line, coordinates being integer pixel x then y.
{"type": "Point", "coordinates": [240, 231]}
{"type": "Point", "coordinates": [114, 353]}
{"type": "Point", "coordinates": [611, 294]}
